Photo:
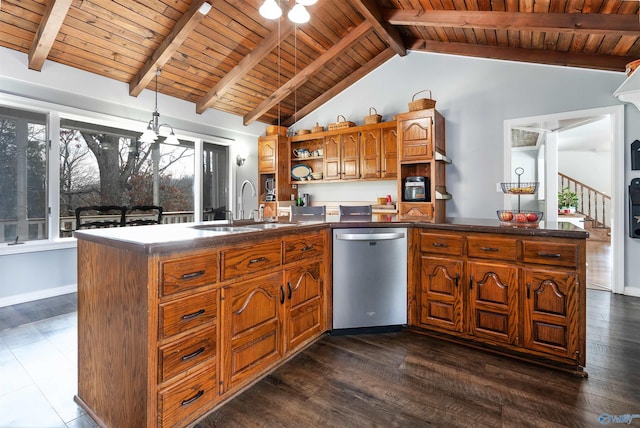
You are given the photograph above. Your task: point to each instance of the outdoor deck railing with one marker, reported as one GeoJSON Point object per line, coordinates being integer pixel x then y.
{"type": "Point", "coordinates": [37, 226]}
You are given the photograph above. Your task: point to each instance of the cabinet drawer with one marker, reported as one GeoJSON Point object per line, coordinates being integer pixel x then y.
{"type": "Point", "coordinates": [304, 246]}
{"type": "Point", "coordinates": [491, 248]}
{"type": "Point", "coordinates": [186, 400]}
{"type": "Point", "coordinates": [441, 244]}
{"type": "Point", "coordinates": [247, 259]}
{"type": "Point", "coordinates": [184, 314]}
{"type": "Point", "coordinates": [418, 210]}
{"type": "Point", "coordinates": [185, 354]}
{"type": "Point", "coordinates": [550, 253]}
{"type": "Point", "coordinates": [188, 272]}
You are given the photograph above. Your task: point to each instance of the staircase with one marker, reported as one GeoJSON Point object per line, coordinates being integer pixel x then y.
{"type": "Point", "coordinates": [594, 205]}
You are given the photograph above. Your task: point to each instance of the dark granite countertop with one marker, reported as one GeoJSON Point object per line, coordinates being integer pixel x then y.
{"type": "Point", "coordinates": [184, 236]}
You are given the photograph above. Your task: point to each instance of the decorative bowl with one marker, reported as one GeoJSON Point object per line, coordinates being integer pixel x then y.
{"type": "Point", "coordinates": [519, 218]}
{"type": "Point", "coordinates": [316, 175]}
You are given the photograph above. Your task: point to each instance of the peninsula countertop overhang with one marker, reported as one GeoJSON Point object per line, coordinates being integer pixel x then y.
{"type": "Point", "coordinates": [181, 236]}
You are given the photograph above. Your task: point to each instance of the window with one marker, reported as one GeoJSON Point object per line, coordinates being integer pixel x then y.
{"type": "Point", "coordinates": [97, 160]}
{"type": "Point", "coordinates": [100, 165]}
{"type": "Point", "coordinates": [23, 175]}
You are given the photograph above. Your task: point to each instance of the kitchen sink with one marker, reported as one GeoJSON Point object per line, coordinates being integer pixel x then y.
{"type": "Point", "coordinates": [267, 225]}
{"type": "Point", "coordinates": [226, 229]}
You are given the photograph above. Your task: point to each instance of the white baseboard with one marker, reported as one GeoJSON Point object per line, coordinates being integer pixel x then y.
{"type": "Point", "coordinates": [37, 295]}
{"type": "Point", "coordinates": [632, 291]}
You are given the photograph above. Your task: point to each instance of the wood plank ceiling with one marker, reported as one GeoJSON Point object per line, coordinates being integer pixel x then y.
{"type": "Point", "coordinates": [234, 60]}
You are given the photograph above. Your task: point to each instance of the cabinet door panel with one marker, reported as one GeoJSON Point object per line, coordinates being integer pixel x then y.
{"type": "Point", "coordinates": [251, 333]}
{"type": "Point", "coordinates": [267, 156]}
{"type": "Point", "coordinates": [332, 158]}
{"type": "Point", "coordinates": [304, 311]}
{"type": "Point", "coordinates": [440, 293]}
{"type": "Point", "coordinates": [350, 154]}
{"type": "Point", "coordinates": [416, 139]}
{"type": "Point", "coordinates": [550, 323]}
{"type": "Point", "coordinates": [370, 153]}
{"type": "Point", "coordinates": [389, 153]}
{"type": "Point", "coordinates": [493, 302]}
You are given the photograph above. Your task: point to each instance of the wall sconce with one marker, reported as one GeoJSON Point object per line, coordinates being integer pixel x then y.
{"type": "Point", "coordinates": [240, 160]}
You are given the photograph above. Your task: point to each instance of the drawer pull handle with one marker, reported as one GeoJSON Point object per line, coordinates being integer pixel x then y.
{"type": "Point", "coordinates": [549, 255]}
{"type": "Point", "coordinates": [307, 248]}
{"type": "Point", "coordinates": [490, 249]}
{"type": "Point", "coordinates": [471, 282]}
{"type": "Point", "coordinates": [192, 399]}
{"type": "Point", "coordinates": [281, 295]}
{"type": "Point", "coordinates": [528, 290]}
{"type": "Point", "coordinates": [259, 259]}
{"type": "Point", "coordinates": [193, 354]}
{"type": "Point", "coordinates": [290, 290]}
{"type": "Point", "coordinates": [193, 315]}
{"type": "Point", "coordinates": [438, 244]}
{"type": "Point", "coordinates": [193, 274]}
{"type": "Point", "coordinates": [457, 278]}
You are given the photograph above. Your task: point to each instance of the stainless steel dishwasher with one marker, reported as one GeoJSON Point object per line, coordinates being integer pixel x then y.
{"type": "Point", "coordinates": [369, 279]}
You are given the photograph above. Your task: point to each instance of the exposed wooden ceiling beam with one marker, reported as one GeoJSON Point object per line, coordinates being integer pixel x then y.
{"type": "Point", "coordinates": [380, 59]}
{"type": "Point", "coordinates": [589, 23]}
{"type": "Point", "coordinates": [185, 25]}
{"type": "Point", "coordinates": [247, 64]}
{"type": "Point", "coordinates": [372, 13]}
{"type": "Point", "coordinates": [47, 31]}
{"type": "Point", "coordinates": [307, 72]}
{"type": "Point", "coordinates": [541, 56]}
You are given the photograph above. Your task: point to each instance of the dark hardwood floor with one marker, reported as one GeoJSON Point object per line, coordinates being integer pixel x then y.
{"type": "Point", "coordinates": [388, 380]}
{"type": "Point", "coordinates": [409, 380]}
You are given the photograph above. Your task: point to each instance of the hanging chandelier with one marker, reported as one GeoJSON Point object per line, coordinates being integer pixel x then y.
{"type": "Point", "coordinates": [153, 127]}
{"type": "Point", "coordinates": [298, 14]}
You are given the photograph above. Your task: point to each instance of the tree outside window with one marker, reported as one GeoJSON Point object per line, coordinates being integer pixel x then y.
{"type": "Point", "coordinates": [23, 172]}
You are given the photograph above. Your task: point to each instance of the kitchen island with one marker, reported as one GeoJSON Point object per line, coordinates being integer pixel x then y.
{"type": "Point", "coordinates": [175, 320]}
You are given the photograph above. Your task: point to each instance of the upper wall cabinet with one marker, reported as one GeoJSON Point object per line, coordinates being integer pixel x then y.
{"type": "Point", "coordinates": [367, 152]}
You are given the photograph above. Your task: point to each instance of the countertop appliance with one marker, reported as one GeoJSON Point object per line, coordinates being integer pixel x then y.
{"type": "Point", "coordinates": [416, 189]}
{"type": "Point", "coordinates": [369, 279]}
{"type": "Point", "coordinates": [270, 186]}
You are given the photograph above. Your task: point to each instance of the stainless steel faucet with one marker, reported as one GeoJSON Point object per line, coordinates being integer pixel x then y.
{"type": "Point", "coordinates": [230, 216]}
{"type": "Point", "coordinates": [253, 193]}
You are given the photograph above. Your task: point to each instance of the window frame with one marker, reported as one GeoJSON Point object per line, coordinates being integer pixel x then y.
{"type": "Point", "coordinates": [55, 113]}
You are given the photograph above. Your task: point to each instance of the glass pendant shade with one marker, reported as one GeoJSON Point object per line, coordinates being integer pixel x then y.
{"type": "Point", "coordinates": [148, 136]}
{"type": "Point", "coordinates": [270, 10]}
{"type": "Point", "coordinates": [299, 14]}
{"type": "Point", "coordinates": [172, 139]}
{"type": "Point", "coordinates": [307, 2]}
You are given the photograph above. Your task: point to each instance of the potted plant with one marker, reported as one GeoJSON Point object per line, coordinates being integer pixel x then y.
{"type": "Point", "coordinates": [567, 201]}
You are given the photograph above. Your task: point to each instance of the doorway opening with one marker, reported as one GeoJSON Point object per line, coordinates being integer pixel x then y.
{"type": "Point", "coordinates": [586, 146]}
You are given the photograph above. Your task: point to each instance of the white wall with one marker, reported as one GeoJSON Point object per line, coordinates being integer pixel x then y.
{"type": "Point", "coordinates": [474, 95]}
{"type": "Point", "coordinates": [572, 163]}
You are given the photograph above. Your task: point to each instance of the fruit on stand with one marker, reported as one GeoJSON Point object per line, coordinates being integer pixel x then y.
{"type": "Point", "coordinates": [505, 216]}
{"type": "Point", "coordinates": [521, 218]}
{"type": "Point", "coordinates": [532, 217]}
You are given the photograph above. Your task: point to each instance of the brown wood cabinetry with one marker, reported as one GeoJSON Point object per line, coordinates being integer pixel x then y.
{"type": "Point", "coordinates": [164, 338]}
{"type": "Point", "coordinates": [521, 295]}
{"type": "Point", "coordinates": [251, 329]}
{"type": "Point", "coordinates": [367, 152]}
{"type": "Point", "coordinates": [422, 152]}
{"type": "Point", "coordinates": [273, 163]}
{"type": "Point", "coordinates": [341, 156]}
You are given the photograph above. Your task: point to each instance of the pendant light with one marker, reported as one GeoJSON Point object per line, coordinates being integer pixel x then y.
{"type": "Point", "coordinates": [298, 14]}
{"type": "Point", "coordinates": [150, 135]}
